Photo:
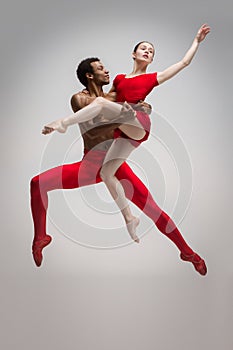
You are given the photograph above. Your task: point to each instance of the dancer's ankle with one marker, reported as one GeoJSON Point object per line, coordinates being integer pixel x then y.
{"type": "Point", "coordinates": [129, 218]}
{"type": "Point", "coordinates": [131, 227]}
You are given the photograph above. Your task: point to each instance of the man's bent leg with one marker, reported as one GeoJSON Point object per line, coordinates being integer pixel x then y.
{"type": "Point", "coordinates": [66, 176]}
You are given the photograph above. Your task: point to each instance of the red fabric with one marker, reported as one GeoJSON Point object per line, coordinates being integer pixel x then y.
{"type": "Point", "coordinates": [136, 88]}
{"type": "Point", "coordinates": [86, 172]}
{"type": "Point", "coordinates": [133, 90]}
{"type": "Point", "coordinates": [146, 124]}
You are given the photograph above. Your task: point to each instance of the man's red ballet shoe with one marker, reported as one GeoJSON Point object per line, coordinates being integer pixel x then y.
{"type": "Point", "coordinates": [197, 261]}
{"type": "Point", "coordinates": [37, 248]}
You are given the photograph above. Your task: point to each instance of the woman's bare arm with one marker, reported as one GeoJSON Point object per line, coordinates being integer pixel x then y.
{"type": "Point", "coordinates": [186, 60]}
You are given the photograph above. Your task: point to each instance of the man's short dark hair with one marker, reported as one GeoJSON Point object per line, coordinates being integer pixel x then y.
{"type": "Point", "coordinates": [85, 67]}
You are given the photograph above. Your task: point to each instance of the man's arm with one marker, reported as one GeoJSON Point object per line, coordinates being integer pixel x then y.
{"type": "Point", "coordinates": [144, 107]}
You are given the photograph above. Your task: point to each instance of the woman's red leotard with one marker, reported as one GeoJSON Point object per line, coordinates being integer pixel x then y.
{"type": "Point", "coordinates": [134, 90]}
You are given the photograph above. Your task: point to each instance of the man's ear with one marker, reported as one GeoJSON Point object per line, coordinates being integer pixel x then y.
{"type": "Point", "coordinates": [89, 76]}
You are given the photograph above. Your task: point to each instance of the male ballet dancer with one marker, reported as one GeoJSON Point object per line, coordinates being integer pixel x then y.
{"type": "Point", "coordinates": [93, 75]}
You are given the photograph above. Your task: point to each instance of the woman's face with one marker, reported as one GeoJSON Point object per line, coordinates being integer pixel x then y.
{"type": "Point", "coordinates": [145, 52]}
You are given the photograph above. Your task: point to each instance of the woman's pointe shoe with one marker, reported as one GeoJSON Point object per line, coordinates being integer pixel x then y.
{"type": "Point", "coordinates": [197, 261]}
{"type": "Point", "coordinates": [57, 125]}
{"type": "Point", "coordinates": [131, 227]}
{"type": "Point", "coordinates": [37, 248]}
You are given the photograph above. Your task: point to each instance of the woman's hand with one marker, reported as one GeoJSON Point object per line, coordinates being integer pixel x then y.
{"type": "Point", "coordinates": [202, 32]}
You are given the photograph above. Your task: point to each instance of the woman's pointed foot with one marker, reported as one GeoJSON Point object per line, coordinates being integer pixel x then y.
{"type": "Point", "coordinates": [197, 261]}
{"type": "Point", "coordinates": [47, 130]}
{"type": "Point", "coordinates": [37, 248]}
{"type": "Point", "coordinates": [131, 227]}
{"type": "Point", "coordinates": [57, 125]}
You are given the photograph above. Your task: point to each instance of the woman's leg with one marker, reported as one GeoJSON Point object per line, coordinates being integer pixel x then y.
{"type": "Point", "coordinates": [116, 155]}
{"type": "Point", "coordinates": [109, 111]}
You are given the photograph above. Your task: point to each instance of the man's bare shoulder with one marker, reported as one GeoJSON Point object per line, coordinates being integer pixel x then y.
{"type": "Point", "coordinates": [84, 92]}
{"type": "Point", "coordinates": [80, 100]}
{"type": "Point", "coordinates": [111, 96]}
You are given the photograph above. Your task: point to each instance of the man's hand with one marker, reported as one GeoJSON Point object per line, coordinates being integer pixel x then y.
{"type": "Point", "coordinates": [144, 107]}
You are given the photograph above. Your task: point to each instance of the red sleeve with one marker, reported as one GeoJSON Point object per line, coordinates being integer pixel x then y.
{"type": "Point", "coordinates": [117, 79]}
{"type": "Point", "coordinates": [155, 81]}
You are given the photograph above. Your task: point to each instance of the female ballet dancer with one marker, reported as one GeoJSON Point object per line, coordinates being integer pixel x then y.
{"type": "Point", "coordinates": [131, 88]}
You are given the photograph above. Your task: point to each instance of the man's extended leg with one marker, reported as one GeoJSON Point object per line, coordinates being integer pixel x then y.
{"type": "Point", "coordinates": [137, 192]}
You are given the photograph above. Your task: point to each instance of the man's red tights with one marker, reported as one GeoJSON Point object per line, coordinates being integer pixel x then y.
{"type": "Point", "coordinates": [86, 172]}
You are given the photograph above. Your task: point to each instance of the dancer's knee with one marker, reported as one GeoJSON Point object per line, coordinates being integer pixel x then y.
{"type": "Point", "coordinates": [106, 173]}
{"type": "Point", "coordinates": [133, 131]}
{"type": "Point", "coordinates": [35, 186]}
{"type": "Point", "coordinates": [139, 134]}
{"type": "Point", "coordinates": [165, 223]}
{"type": "Point", "coordinates": [34, 182]}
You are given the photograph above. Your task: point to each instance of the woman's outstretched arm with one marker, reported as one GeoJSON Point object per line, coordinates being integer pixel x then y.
{"type": "Point", "coordinates": [186, 60]}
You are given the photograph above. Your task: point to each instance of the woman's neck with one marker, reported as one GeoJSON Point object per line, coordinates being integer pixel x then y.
{"type": "Point", "coordinates": [138, 69]}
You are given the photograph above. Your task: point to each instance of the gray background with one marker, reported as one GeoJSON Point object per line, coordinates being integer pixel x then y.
{"type": "Point", "coordinates": [137, 296]}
